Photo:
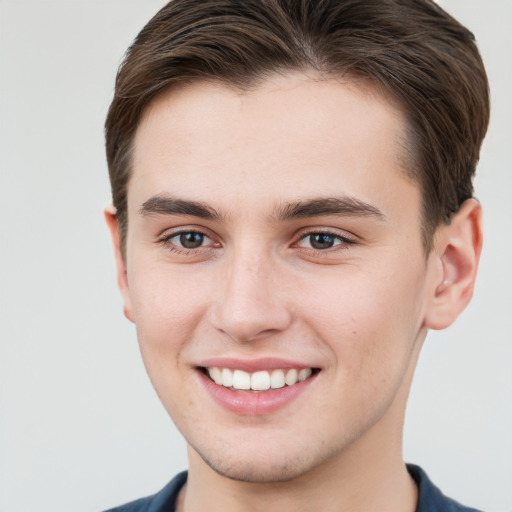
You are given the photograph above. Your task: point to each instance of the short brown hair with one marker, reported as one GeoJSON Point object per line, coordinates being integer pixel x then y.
{"type": "Point", "coordinates": [412, 48]}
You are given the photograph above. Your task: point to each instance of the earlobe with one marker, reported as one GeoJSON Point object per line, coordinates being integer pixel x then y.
{"type": "Point", "coordinates": [122, 277]}
{"type": "Point", "coordinates": [456, 255]}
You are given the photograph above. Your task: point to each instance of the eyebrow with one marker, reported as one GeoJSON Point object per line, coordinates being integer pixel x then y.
{"type": "Point", "coordinates": [317, 207]}
{"type": "Point", "coordinates": [342, 206]}
{"type": "Point", "coordinates": [166, 205]}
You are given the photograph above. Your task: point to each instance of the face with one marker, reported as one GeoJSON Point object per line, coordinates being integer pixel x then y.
{"type": "Point", "coordinates": [274, 243]}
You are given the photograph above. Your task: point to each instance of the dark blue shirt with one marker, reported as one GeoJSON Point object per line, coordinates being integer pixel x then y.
{"type": "Point", "coordinates": [430, 498]}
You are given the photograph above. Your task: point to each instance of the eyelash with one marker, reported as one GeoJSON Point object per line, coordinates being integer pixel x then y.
{"type": "Point", "coordinates": [165, 241]}
{"type": "Point", "coordinates": [344, 241]}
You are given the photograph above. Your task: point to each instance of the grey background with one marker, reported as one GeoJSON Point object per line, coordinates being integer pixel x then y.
{"type": "Point", "coordinates": [80, 426]}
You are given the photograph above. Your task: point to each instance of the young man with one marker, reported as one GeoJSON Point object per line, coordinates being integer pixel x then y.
{"type": "Point", "coordinates": [292, 211]}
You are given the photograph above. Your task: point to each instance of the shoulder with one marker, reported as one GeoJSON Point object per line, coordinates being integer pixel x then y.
{"type": "Point", "coordinates": [430, 498]}
{"type": "Point", "coordinates": [162, 501]}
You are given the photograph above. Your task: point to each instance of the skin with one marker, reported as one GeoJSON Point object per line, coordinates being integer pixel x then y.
{"type": "Point", "coordinates": [359, 310]}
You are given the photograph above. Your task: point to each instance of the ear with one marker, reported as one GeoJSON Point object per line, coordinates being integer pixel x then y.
{"type": "Point", "coordinates": [122, 276]}
{"type": "Point", "coordinates": [455, 257]}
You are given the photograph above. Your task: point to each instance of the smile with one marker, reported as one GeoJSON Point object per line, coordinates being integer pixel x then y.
{"type": "Point", "coordinates": [254, 387]}
{"type": "Point", "coordinates": [240, 380]}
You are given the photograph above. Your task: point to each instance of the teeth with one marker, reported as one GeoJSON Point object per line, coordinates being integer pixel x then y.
{"type": "Point", "coordinates": [216, 375]}
{"type": "Point", "coordinates": [291, 377]}
{"type": "Point", "coordinates": [241, 380]}
{"type": "Point", "coordinates": [227, 377]}
{"type": "Point", "coordinates": [304, 374]}
{"type": "Point", "coordinates": [277, 379]}
{"type": "Point", "coordinates": [258, 381]}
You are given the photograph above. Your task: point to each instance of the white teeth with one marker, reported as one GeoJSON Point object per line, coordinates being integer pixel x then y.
{"type": "Point", "coordinates": [277, 379]}
{"type": "Point", "coordinates": [215, 374]}
{"type": "Point", "coordinates": [260, 381]}
{"type": "Point", "coordinates": [227, 377]}
{"type": "Point", "coordinates": [257, 381]}
{"type": "Point", "coordinates": [291, 377]}
{"type": "Point", "coordinates": [304, 374]}
{"type": "Point", "coordinates": [241, 380]}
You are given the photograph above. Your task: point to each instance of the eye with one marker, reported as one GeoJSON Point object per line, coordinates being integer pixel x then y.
{"type": "Point", "coordinates": [189, 240]}
{"type": "Point", "coordinates": [183, 241]}
{"type": "Point", "coordinates": [322, 241]}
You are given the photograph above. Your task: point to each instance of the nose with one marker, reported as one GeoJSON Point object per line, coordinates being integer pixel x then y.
{"type": "Point", "coordinates": [251, 303]}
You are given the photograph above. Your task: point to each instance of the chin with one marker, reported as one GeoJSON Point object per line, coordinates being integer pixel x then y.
{"type": "Point", "coordinates": [259, 471]}
{"type": "Point", "coordinates": [261, 466]}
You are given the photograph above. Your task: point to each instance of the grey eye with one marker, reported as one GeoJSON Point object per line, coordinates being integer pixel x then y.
{"type": "Point", "coordinates": [321, 241]}
{"type": "Point", "coordinates": [191, 239]}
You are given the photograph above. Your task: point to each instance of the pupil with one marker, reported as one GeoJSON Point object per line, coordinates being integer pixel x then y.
{"type": "Point", "coordinates": [321, 241]}
{"type": "Point", "coordinates": [191, 240]}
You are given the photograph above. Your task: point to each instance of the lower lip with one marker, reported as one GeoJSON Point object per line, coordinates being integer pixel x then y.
{"type": "Point", "coordinates": [251, 403]}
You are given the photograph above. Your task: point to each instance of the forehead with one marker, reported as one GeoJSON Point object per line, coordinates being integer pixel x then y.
{"type": "Point", "coordinates": [291, 135]}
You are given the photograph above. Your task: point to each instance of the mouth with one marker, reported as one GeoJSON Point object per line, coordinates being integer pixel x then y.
{"type": "Point", "coordinates": [259, 381]}
{"type": "Point", "coordinates": [258, 387]}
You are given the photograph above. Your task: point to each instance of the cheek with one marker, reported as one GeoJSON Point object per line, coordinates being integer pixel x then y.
{"type": "Point", "coordinates": [167, 311]}
{"type": "Point", "coordinates": [162, 298]}
{"type": "Point", "coordinates": [370, 319]}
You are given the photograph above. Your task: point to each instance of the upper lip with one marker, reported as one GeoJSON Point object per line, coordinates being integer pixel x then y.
{"type": "Point", "coordinates": [253, 365]}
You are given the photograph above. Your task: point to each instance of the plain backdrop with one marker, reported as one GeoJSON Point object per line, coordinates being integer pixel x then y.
{"type": "Point", "coordinates": [81, 428]}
